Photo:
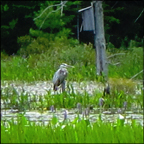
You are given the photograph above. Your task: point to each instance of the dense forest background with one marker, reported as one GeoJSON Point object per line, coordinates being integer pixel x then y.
{"type": "Point", "coordinates": [20, 25]}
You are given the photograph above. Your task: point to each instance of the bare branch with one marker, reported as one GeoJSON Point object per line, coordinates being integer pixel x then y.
{"type": "Point", "coordinates": [115, 55]}
{"type": "Point", "coordinates": [114, 63]}
{"type": "Point", "coordinates": [139, 16]}
{"type": "Point", "coordinates": [62, 3]}
{"type": "Point", "coordinates": [61, 8]}
{"type": "Point", "coordinates": [137, 74]}
{"type": "Point", "coordinates": [47, 16]}
{"type": "Point", "coordinates": [45, 10]}
{"type": "Point", "coordinates": [114, 4]}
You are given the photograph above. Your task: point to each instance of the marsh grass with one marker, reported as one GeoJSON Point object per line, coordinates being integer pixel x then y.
{"type": "Point", "coordinates": [25, 101]}
{"type": "Point", "coordinates": [41, 66]}
{"type": "Point", "coordinates": [77, 131]}
{"type": "Point", "coordinates": [38, 61]}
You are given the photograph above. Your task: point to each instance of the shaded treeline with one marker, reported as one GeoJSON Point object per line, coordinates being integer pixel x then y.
{"type": "Point", "coordinates": [120, 17]}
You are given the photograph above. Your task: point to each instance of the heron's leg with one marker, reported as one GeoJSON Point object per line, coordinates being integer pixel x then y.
{"type": "Point", "coordinates": [63, 86]}
{"type": "Point", "coordinates": [63, 91]}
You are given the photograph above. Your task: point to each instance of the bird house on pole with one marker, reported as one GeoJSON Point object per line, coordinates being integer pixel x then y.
{"type": "Point", "coordinates": [87, 24]}
{"type": "Point", "coordinates": [93, 20]}
{"type": "Point", "coordinates": [87, 19]}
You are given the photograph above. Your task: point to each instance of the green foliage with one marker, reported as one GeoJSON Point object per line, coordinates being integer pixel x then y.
{"type": "Point", "coordinates": [110, 45]}
{"type": "Point", "coordinates": [13, 23]}
{"type": "Point", "coordinates": [16, 19]}
{"type": "Point", "coordinates": [77, 131]}
{"type": "Point", "coordinates": [50, 18]}
{"type": "Point", "coordinates": [137, 42]}
{"type": "Point", "coordinates": [20, 17]}
{"type": "Point", "coordinates": [112, 19]}
{"type": "Point", "coordinates": [4, 55]}
{"type": "Point", "coordinates": [5, 7]}
{"type": "Point", "coordinates": [45, 51]}
{"type": "Point", "coordinates": [23, 41]}
{"type": "Point", "coordinates": [38, 33]}
{"type": "Point", "coordinates": [126, 85]}
{"type": "Point", "coordinates": [45, 55]}
{"type": "Point", "coordinates": [78, 54]}
{"type": "Point", "coordinates": [30, 45]}
{"type": "Point", "coordinates": [64, 33]}
{"type": "Point", "coordinates": [130, 64]}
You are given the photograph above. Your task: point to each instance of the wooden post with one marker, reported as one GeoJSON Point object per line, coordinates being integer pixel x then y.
{"type": "Point", "coordinates": [100, 46]}
{"type": "Point", "coordinates": [77, 24]}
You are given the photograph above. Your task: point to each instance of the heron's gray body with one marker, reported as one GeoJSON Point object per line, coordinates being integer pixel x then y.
{"type": "Point", "coordinates": [60, 76]}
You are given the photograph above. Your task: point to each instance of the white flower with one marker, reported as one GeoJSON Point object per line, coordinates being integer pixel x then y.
{"type": "Point", "coordinates": [121, 117]}
{"type": "Point", "coordinates": [63, 126]}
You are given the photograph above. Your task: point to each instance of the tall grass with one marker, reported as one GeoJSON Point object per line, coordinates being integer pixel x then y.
{"type": "Point", "coordinates": [78, 131]}
{"type": "Point", "coordinates": [42, 66]}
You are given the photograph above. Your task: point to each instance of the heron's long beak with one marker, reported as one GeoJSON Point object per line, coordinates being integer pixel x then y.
{"type": "Point", "coordinates": [71, 66]}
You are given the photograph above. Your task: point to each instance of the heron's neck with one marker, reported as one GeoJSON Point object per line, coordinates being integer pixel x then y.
{"type": "Point", "coordinates": [63, 68]}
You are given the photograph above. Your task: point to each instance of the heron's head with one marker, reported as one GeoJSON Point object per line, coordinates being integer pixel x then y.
{"type": "Point", "coordinates": [64, 65]}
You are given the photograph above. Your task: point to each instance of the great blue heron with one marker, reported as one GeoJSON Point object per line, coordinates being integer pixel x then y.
{"type": "Point", "coordinates": [60, 76]}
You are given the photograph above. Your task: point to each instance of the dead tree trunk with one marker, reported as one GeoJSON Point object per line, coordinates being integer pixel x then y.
{"type": "Point", "coordinates": [101, 62]}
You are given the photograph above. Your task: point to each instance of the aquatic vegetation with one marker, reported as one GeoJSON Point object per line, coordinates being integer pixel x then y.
{"type": "Point", "coordinates": [77, 131]}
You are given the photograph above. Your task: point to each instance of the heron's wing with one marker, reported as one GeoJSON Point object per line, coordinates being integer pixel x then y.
{"type": "Point", "coordinates": [56, 77]}
{"type": "Point", "coordinates": [59, 76]}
